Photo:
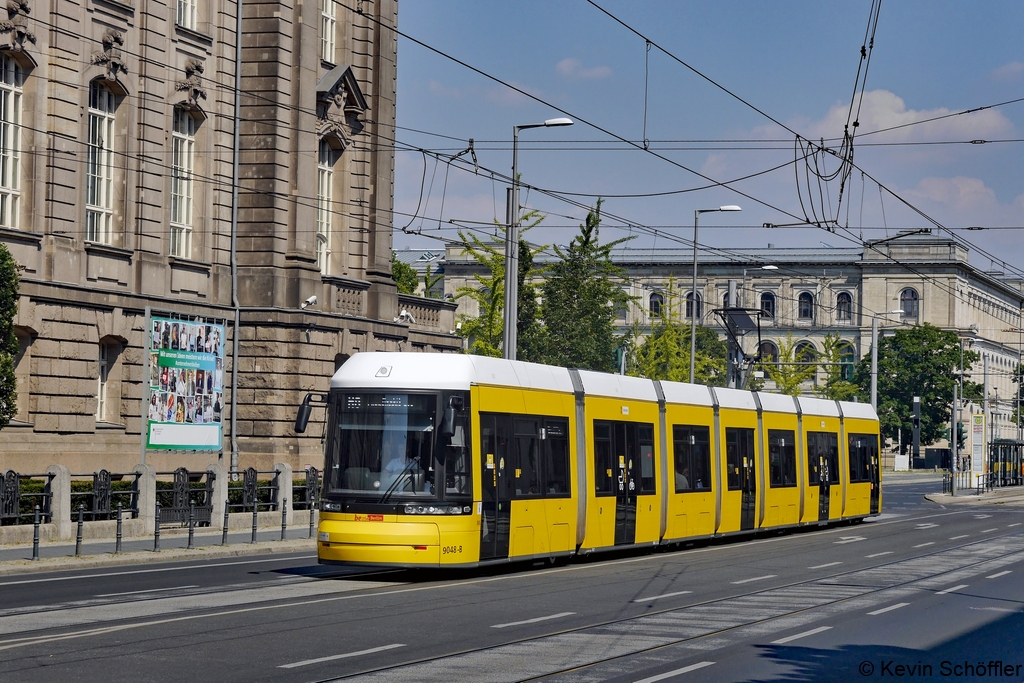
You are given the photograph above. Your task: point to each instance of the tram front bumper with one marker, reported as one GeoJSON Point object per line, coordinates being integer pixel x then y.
{"type": "Point", "coordinates": [379, 542]}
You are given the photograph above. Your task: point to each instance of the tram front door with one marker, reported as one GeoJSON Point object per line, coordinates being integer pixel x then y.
{"type": "Point", "coordinates": [824, 489]}
{"type": "Point", "coordinates": [496, 466]}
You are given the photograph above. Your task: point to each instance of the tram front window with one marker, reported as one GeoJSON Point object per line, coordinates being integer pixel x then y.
{"type": "Point", "coordinates": [383, 446]}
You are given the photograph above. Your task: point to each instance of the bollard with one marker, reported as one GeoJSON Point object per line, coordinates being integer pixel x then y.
{"type": "Point", "coordinates": [117, 544]}
{"type": "Point", "coordinates": [224, 534]}
{"type": "Point", "coordinates": [255, 508]}
{"type": "Point", "coordinates": [311, 512]}
{"type": "Point", "coordinates": [156, 530]}
{"type": "Point", "coordinates": [35, 536]}
{"type": "Point", "coordinates": [191, 523]}
{"type": "Point", "coordinates": [284, 517]}
{"type": "Point", "coordinates": [78, 537]}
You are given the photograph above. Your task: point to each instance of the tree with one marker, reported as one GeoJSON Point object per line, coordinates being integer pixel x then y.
{"type": "Point", "coordinates": [581, 298]}
{"type": "Point", "coordinates": [916, 361]}
{"type": "Point", "coordinates": [430, 281]}
{"type": "Point", "coordinates": [485, 330]}
{"type": "Point", "coordinates": [792, 370]}
{"type": "Point", "coordinates": [9, 277]}
{"type": "Point", "coordinates": [663, 350]}
{"type": "Point", "coordinates": [404, 276]}
{"type": "Point", "coordinates": [531, 335]}
{"type": "Point", "coordinates": [836, 387]}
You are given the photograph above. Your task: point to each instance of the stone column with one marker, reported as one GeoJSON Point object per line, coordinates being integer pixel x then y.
{"type": "Point", "coordinates": [146, 484]}
{"type": "Point", "coordinates": [284, 490]}
{"type": "Point", "coordinates": [60, 502]}
{"type": "Point", "coordinates": [220, 494]}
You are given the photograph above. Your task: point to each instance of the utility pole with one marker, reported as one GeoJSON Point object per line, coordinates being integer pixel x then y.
{"type": "Point", "coordinates": [954, 442]}
{"type": "Point", "coordinates": [916, 453]}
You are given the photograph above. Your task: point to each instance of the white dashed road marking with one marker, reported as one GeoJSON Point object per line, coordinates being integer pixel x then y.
{"type": "Point", "coordinates": [307, 662]}
{"type": "Point", "coordinates": [813, 631]}
{"type": "Point", "coordinates": [676, 672]}
{"type": "Point", "coordinates": [889, 608]}
{"type": "Point", "coordinates": [534, 621]}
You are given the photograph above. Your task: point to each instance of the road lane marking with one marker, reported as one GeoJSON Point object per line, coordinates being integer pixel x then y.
{"type": "Point", "coordinates": [676, 672]}
{"type": "Point", "coordinates": [887, 552]}
{"type": "Point", "coordinates": [534, 621]}
{"type": "Point", "coordinates": [666, 595]}
{"type": "Point", "coordinates": [988, 531]}
{"type": "Point", "coordinates": [1008, 526]}
{"type": "Point", "coordinates": [1003, 573]}
{"type": "Point", "coordinates": [78, 577]}
{"type": "Point", "coordinates": [307, 662]}
{"type": "Point", "coordinates": [848, 539]}
{"type": "Point", "coordinates": [953, 589]}
{"type": "Point", "coordinates": [926, 525]}
{"type": "Point", "coordinates": [151, 590]}
{"type": "Point", "coordinates": [822, 566]}
{"type": "Point", "coordinates": [921, 545]}
{"type": "Point", "coordinates": [982, 516]}
{"type": "Point", "coordinates": [756, 578]}
{"type": "Point", "coordinates": [889, 608]}
{"type": "Point", "coordinates": [813, 631]}
{"type": "Point", "coordinates": [957, 538]}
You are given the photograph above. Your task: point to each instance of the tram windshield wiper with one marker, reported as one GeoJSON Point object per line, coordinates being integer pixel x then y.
{"type": "Point", "coordinates": [399, 479]}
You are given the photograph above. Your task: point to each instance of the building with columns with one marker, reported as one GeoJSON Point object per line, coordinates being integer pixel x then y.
{"type": "Point", "coordinates": [126, 189]}
{"type": "Point", "coordinates": [813, 292]}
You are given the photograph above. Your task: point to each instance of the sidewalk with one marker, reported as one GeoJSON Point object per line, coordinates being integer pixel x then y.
{"type": "Point", "coordinates": [1011, 496]}
{"type": "Point", "coordinates": [60, 556]}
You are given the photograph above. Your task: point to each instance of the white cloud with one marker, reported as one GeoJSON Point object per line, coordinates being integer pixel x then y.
{"type": "Point", "coordinates": [961, 194]}
{"type": "Point", "coordinates": [882, 109]}
{"type": "Point", "coordinates": [1009, 72]}
{"type": "Point", "coordinates": [571, 67]}
{"type": "Point", "coordinates": [509, 97]}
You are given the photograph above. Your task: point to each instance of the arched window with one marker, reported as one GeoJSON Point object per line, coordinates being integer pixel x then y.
{"type": "Point", "coordinates": [805, 353]}
{"type": "Point", "coordinates": [657, 302]}
{"type": "Point", "coordinates": [768, 304]}
{"type": "Point", "coordinates": [768, 352]}
{"type": "Point", "coordinates": [99, 181]}
{"type": "Point", "coordinates": [689, 305]}
{"type": "Point", "coordinates": [909, 303]}
{"type": "Point", "coordinates": [725, 300]}
{"type": "Point", "coordinates": [847, 359]}
{"type": "Point", "coordinates": [805, 306]}
{"type": "Point", "coordinates": [844, 307]}
{"type": "Point", "coordinates": [324, 210]}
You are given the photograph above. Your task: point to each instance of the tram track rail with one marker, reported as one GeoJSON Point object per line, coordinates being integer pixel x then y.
{"type": "Point", "coordinates": [832, 580]}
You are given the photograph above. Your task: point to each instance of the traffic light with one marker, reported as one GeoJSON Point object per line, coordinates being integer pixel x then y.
{"type": "Point", "coordinates": [961, 435]}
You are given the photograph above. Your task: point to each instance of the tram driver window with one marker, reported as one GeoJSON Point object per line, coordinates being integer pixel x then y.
{"type": "Point", "coordinates": [692, 458]}
{"type": "Point", "coordinates": [781, 458]}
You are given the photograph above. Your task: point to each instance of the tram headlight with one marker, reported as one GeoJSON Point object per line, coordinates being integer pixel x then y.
{"type": "Point", "coordinates": [438, 509]}
{"type": "Point", "coordinates": [329, 506]}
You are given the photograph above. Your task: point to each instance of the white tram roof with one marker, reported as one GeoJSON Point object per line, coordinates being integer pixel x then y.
{"type": "Point", "coordinates": [735, 398]}
{"type": "Point", "coordinates": [858, 410]}
{"type": "Point", "coordinates": [818, 406]}
{"type": "Point", "coordinates": [687, 394]}
{"type": "Point", "coordinates": [776, 403]}
{"type": "Point", "coordinates": [446, 371]}
{"type": "Point", "coordinates": [617, 386]}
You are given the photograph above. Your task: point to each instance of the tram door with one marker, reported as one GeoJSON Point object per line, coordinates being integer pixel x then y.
{"type": "Point", "coordinates": [496, 480]}
{"type": "Point", "coordinates": [742, 471]}
{"type": "Point", "coordinates": [871, 455]}
{"type": "Point", "coordinates": [823, 466]}
{"type": "Point", "coordinates": [626, 461]}
{"type": "Point", "coordinates": [824, 488]}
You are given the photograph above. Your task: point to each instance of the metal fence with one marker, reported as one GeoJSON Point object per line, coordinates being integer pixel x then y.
{"type": "Point", "coordinates": [176, 497]}
{"type": "Point", "coordinates": [251, 492]}
{"type": "Point", "coordinates": [21, 493]}
{"type": "Point", "coordinates": [306, 492]}
{"type": "Point", "coordinates": [100, 498]}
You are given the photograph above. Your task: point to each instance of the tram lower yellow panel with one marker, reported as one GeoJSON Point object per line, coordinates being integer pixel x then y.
{"type": "Point", "coordinates": [858, 499]}
{"type": "Point", "coordinates": [399, 540]}
{"type": "Point", "coordinates": [648, 518]}
{"type": "Point", "coordinates": [600, 519]}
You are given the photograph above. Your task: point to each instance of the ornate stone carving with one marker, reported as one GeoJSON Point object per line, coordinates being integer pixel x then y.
{"type": "Point", "coordinates": [193, 83]}
{"type": "Point", "coordinates": [16, 25]}
{"type": "Point", "coordinates": [111, 56]}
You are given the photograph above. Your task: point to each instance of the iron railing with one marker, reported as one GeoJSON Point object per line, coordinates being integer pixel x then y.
{"type": "Point", "coordinates": [174, 499]}
{"type": "Point", "coordinates": [21, 493]}
{"type": "Point", "coordinates": [252, 492]}
{"type": "Point", "coordinates": [306, 492]}
{"type": "Point", "coordinates": [107, 490]}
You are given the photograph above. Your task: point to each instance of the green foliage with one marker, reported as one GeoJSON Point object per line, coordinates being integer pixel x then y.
{"type": "Point", "coordinates": [790, 372]}
{"type": "Point", "coordinates": [404, 276]}
{"type": "Point", "coordinates": [836, 387]}
{"type": "Point", "coordinates": [663, 350]}
{"type": "Point", "coordinates": [430, 281]}
{"type": "Point", "coordinates": [581, 297]}
{"type": "Point", "coordinates": [916, 361]}
{"type": "Point", "coordinates": [9, 277]}
{"type": "Point", "coordinates": [485, 330]}
{"type": "Point", "coordinates": [531, 335]}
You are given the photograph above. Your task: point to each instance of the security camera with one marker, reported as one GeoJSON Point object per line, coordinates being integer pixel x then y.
{"type": "Point", "coordinates": [311, 301]}
{"type": "Point", "coordinates": [405, 317]}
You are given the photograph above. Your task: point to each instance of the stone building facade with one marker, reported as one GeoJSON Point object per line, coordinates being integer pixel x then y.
{"type": "Point", "coordinates": [813, 292]}
{"type": "Point", "coordinates": [117, 196]}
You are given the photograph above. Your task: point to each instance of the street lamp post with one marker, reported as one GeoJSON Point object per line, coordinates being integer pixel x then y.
{"type": "Point", "coordinates": [693, 290]}
{"type": "Point", "coordinates": [509, 338]}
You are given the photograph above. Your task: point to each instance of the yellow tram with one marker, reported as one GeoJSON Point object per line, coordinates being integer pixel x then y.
{"type": "Point", "coordinates": [438, 460]}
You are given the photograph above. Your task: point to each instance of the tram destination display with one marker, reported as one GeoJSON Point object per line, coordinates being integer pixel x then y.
{"type": "Point", "coordinates": [186, 385]}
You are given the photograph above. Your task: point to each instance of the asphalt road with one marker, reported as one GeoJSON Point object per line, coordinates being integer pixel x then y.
{"type": "Point", "coordinates": [918, 586]}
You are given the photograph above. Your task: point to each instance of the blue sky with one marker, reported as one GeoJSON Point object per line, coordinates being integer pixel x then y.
{"type": "Point", "coordinates": [795, 61]}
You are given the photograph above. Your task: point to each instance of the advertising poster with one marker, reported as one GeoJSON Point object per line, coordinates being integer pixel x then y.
{"type": "Point", "coordinates": [978, 443]}
{"type": "Point", "coordinates": [186, 385]}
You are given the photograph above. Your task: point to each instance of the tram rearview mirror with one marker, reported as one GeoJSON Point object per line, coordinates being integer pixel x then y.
{"type": "Point", "coordinates": [448, 422]}
{"type": "Point", "coordinates": [302, 419]}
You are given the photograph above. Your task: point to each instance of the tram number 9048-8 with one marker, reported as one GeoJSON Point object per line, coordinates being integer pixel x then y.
{"type": "Point", "coordinates": [451, 549]}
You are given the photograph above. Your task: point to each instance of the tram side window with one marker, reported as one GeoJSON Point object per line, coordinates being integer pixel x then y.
{"type": "Point", "coordinates": [692, 453]}
{"type": "Point", "coordinates": [645, 439]}
{"type": "Point", "coordinates": [555, 439]}
{"type": "Point", "coordinates": [781, 458]}
{"type": "Point", "coordinates": [527, 470]}
{"type": "Point", "coordinates": [822, 457]}
{"type": "Point", "coordinates": [739, 451]}
{"type": "Point", "coordinates": [604, 463]}
{"type": "Point", "coordinates": [863, 449]}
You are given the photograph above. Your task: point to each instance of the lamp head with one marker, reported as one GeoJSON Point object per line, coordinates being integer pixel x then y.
{"type": "Point", "coordinates": [558, 122]}
{"type": "Point", "coordinates": [729, 207]}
